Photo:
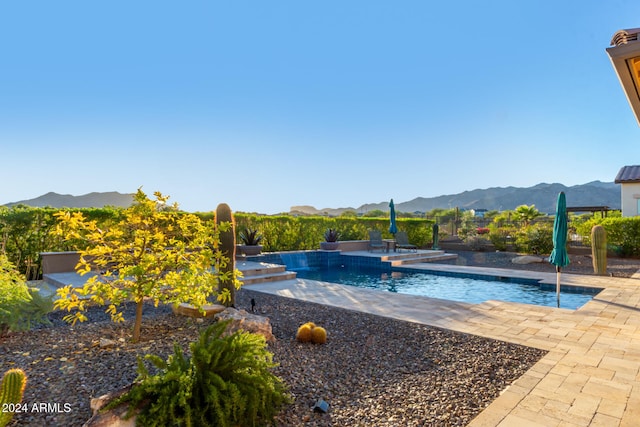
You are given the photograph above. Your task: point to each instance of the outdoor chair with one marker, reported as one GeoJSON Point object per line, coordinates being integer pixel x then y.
{"type": "Point", "coordinates": [402, 242]}
{"type": "Point", "coordinates": [375, 241]}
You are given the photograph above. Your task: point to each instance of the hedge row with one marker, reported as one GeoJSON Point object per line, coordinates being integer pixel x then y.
{"type": "Point", "coordinates": [623, 234]}
{"type": "Point", "coordinates": [25, 231]}
{"type": "Point", "coordinates": [288, 233]}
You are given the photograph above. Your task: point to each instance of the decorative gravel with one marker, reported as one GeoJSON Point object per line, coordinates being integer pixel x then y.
{"type": "Point", "coordinates": [372, 370]}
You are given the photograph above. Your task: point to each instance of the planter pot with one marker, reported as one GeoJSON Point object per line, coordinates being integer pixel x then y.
{"type": "Point", "coordinates": [329, 246]}
{"type": "Point", "coordinates": [250, 249]}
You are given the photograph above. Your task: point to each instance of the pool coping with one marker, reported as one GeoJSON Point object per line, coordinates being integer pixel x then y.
{"type": "Point", "coordinates": [590, 375]}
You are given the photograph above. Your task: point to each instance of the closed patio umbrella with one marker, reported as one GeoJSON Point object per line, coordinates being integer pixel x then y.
{"type": "Point", "coordinates": [393, 229]}
{"type": "Point", "coordinates": [559, 256]}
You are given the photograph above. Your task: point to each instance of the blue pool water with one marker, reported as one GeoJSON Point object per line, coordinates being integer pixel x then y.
{"type": "Point", "coordinates": [461, 289]}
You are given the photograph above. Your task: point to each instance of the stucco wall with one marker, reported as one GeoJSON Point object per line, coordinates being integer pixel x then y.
{"type": "Point", "coordinates": [630, 195]}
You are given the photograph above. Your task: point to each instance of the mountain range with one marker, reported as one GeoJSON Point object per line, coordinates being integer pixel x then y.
{"type": "Point", "coordinates": [91, 200]}
{"type": "Point", "coordinates": [543, 196]}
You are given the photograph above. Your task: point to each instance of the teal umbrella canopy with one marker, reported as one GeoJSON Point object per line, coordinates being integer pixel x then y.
{"type": "Point", "coordinates": [559, 256]}
{"type": "Point", "coordinates": [393, 228]}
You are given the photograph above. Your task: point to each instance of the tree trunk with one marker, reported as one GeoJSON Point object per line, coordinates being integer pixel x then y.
{"type": "Point", "coordinates": [138, 322]}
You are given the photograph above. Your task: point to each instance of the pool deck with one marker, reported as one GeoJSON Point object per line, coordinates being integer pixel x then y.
{"type": "Point", "coordinates": [591, 374]}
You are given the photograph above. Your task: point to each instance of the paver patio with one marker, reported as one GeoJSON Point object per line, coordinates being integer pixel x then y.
{"type": "Point", "coordinates": [591, 375]}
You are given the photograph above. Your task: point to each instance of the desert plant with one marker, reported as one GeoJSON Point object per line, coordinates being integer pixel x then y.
{"type": "Point", "coordinates": [228, 280]}
{"type": "Point", "coordinates": [535, 239]}
{"type": "Point", "coordinates": [435, 230]}
{"type": "Point", "coordinates": [13, 293]}
{"type": "Point", "coordinates": [227, 381]}
{"type": "Point", "coordinates": [304, 333]}
{"type": "Point", "coordinates": [20, 306]}
{"type": "Point", "coordinates": [318, 335]}
{"type": "Point", "coordinates": [476, 243]}
{"type": "Point", "coordinates": [599, 249]}
{"type": "Point", "coordinates": [250, 237]}
{"type": "Point", "coordinates": [11, 391]}
{"type": "Point", "coordinates": [152, 252]}
{"type": "Point", "coordinates": [526, 214]}
{"type": "Point", "coordinates": [331, 235]}
{"type": "Point", "coordinates": [310, 332]}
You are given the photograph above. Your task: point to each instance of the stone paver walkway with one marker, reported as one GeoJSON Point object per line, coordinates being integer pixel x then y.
{"type": "Point", "coordinates": [591, 375]}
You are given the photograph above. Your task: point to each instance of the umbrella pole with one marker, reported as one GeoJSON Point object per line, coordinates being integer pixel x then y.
{"type": "Point", "coordinates": [558, 285]}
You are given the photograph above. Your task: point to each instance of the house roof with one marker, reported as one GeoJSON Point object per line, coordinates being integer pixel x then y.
{"type": "Point", "coordinates": [628, 174]}
{"type": "Point", "coordinates": [625, 36]}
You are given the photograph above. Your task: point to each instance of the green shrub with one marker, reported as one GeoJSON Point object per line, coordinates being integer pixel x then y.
{"type": "Point", "coordinates": [475, 242]}
{"type": "Point", "coordinates": [535, 239]}
{"type": "Point", "coordinates": [623, 234]}
{"type": "Point", "coordinates": [20, 307]}
{"type": "Point", "coordinates": [500, 237]}
{"type": "Point", "coordinates": [226, 382]}
{"type": "Point", "coordinates": [288, 233]}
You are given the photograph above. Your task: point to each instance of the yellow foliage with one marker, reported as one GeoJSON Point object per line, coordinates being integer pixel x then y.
{"type": "Point", "coordinates": [153, 252]}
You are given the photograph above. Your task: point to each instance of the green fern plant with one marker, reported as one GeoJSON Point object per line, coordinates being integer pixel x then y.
{"type": "Point", "coordinates": [11, 391]}
{"type": "Point", "coordinates": [227, 381]}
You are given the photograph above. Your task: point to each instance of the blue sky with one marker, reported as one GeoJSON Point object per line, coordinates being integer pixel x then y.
{"type": "Point", "coordinates": [265, 105]}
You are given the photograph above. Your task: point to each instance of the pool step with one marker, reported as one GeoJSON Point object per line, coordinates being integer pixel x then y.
{"type": "Point", "coordinates": [258, 268]}
{"type": "Point", "coordinates": [419, 258]}
{"type": "Point", "coordinates": [270, 277]}
{"type": "Point", "coordinates": [260, 272]}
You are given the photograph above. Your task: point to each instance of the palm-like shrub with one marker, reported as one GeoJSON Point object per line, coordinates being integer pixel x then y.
{"type": "Point", "coordinates": [226, 382]}
{"type": "Point", "coordinates": [250, 237]}
{"type": "Point", "coordinates": [331, 235]}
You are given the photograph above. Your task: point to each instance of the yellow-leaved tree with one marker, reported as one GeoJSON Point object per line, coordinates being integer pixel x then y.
{"type": "Point", "coordinates": [155, 252]}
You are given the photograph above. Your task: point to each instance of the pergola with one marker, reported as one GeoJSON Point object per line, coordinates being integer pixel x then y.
{"type": "Point", "coordinates": [603, 209]}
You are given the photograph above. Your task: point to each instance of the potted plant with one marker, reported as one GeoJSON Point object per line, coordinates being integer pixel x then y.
{"type": "Point", "coordinates": [330, 240]}
{"type": "Point", "coordinates": [251, 239]}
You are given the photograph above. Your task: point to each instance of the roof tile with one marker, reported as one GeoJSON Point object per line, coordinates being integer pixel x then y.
{"type": "Point", "coordinates": [628, 174]}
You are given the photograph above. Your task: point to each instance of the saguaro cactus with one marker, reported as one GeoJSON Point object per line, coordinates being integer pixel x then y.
{"type": "Point", "coordinates": [435, 230]}
{"type": "Point", "coordinates": [599, 249]}
{"type": "Point", "coordinates": [228, 249]}
{"type": "Point", "coordinates": [11, 390]}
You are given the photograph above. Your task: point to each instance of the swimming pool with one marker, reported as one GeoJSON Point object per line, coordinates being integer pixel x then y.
{"type": "Point", "coordinates": [463, 289]}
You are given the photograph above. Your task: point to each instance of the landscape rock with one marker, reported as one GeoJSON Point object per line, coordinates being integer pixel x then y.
{"type": "Point", "coordinates": [241, 319]}
{"type": "Point", "coordinates": [106, 343]}
{"type": "Point", "coordinates": [113, 417]}
{"type": "Point", "coordinates": [527, 259]}
{"type": "Point", "coordinates": [191, 311]}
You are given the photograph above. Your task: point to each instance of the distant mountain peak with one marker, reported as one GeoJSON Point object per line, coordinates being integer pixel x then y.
{"type": "Point", "coordinates": [542, 195]}
{"type": "Point", "coordinates": [90, 200]}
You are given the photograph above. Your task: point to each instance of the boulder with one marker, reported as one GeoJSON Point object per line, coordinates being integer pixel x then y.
{"type": "Point", "coordinates": [241, 319]}
{"type": "Point", "coordinates": [112, 417]}
{"type": "Point", "coordinates": [527, 259]}
{"type": "Point", "coordinates": [106, 343]}
{"type": "Point", "coordinates": [191, 311]}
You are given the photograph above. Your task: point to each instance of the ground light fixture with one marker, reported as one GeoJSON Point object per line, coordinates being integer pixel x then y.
{"type": "Point", "coordinates": [625, 57]}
